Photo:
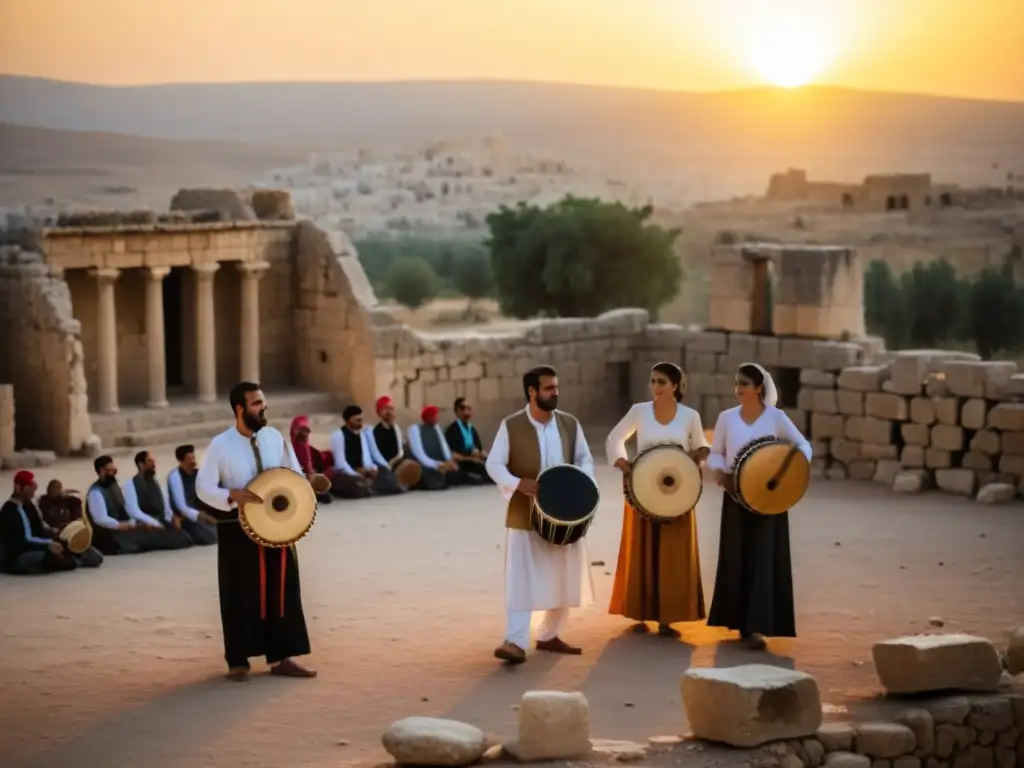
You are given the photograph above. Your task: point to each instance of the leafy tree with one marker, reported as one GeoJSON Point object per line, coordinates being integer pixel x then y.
{"type": "Point", "coordinates": [995, 311]}
{"type": "Point", "coordinates": [580, 257]}
{"type": "Point", "coordinates": [379, 253]}
{"type": "Point", "coordinates": [473, 277]}
{"type": "Point", "coordinates": [412, 282]}
{"type": "Point", "coordinates": [934, 299]}
{"type": "Point", "coordinates": [885, 314]}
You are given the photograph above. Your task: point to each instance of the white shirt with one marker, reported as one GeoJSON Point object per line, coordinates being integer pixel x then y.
{"type": "Point", "coordinates": [371, 453]}
{"type": "Point", "coordinates": [732, 434]}
{"type": "Point", "coordinates": [97, 506]}
{"type": "Point", "coordinates": [131, 504]}
{"type": "Point", "coordinates": [416, 445]}
{"type": "Point", "coordinates": [684, 430]}
{"type": "Point", "coordinates": [229, 464]}
{"type": "Point", "coordinates": [176, 488]}
{"type": "Point", "coordinates": [550, 441]}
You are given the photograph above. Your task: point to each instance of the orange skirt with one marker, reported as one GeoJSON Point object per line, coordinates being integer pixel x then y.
{"type": "Point", "coordinates": [675, 593]}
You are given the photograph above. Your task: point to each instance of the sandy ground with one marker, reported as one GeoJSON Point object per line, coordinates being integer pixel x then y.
{"type": "Point", "coordinates": [122, 666]}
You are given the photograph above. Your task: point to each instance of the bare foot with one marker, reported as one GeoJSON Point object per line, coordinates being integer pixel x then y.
{"type": "Point", "coordinates": [238, 674]}
{"type": "Point", "coordinates": [289, 668]}
{"type": "Point", "coordinates": [756, 641]}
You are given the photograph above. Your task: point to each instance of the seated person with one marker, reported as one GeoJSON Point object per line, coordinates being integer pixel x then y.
{"type": "Point", "coordinates": [357, 471]}
{"type": "Point", "coordinates": [147, 503]}
{"type": "Point", "coordinates": [310, 459]}
{"type": "Point", "coordinates": [387, 437]}
{"type": "Point", "coordinates": [466, 447]}
{"type": "Point", "coordinates": [428, 446]}
{"type": "Point", "coordinates": [200, 526]}
{"type": "Point", "coordinates": [115, 530]}
{"type": "Point", "coordinates": [56, 509]}
{"type": "Point", "coordinates": [27, 549]}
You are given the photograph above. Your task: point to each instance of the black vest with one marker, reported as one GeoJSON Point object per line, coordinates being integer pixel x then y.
{"type": "Point", "coordinates": [151, 500]}
{"type": "Point", "coordinates": [431, 441]}
{"type": "Point", "coordinates": [387, 441]}
{"type": "Point", "coordinates": [188, 482]}
{"type": "Point", "coordinates": [114, 500]}
{"type": "Point", "coordinates": [353, 448]}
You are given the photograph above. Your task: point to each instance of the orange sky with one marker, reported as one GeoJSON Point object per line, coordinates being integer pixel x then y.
{"type": "Point", "coordinates": [957, 47]}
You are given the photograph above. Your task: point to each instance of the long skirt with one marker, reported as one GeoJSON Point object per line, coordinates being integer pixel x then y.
{"type": "Point", "coordinates": [658, 574]}
{"type": "Point", "coordinates": [252, 590]}
{"type": "Point", "coordinates": [754, 582]}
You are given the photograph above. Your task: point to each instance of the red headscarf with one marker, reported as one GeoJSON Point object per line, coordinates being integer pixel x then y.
{"type": "Point", "coordinates": [303, 452]}
{"type": "Point", "coordinates": [429, 414]}
{"type": "Point", "coordinates": [23, 477]}
{"type": "Point", "coordinates": [384, 401]}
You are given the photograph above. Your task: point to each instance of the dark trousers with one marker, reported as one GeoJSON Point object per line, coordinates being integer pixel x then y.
{"type": "Point", "coordinates": [347, 486]}
{"type": "Point", "coordinates": [135, 541]}
{"type": "Point", "coordinates": [202, 534]}
{"type": "Point", "coordinates": [39, 561]}
{"type": "Point", "coordinates": [435, 480]}
{"type": "Point", "coordinates": [474, 473]}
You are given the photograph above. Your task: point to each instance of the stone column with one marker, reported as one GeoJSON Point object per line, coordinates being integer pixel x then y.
{"type": "Point", "coordinates": [206, 333]}
{"type": "Point", "coordinates": [106, 340]}
{"type": "Point", "coordinates": [251, 271]}
{"type": "Point", "coordinates": [155, 339]}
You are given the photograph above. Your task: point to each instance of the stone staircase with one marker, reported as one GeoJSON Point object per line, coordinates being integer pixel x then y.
{"type": "Point", "coordinates": [188, 421]}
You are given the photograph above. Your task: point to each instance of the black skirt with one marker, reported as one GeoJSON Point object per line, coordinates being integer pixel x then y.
{"type": "Point", "coordinates": [754, 581]}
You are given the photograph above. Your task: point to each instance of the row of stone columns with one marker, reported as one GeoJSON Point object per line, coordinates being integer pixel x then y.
{"type": "Point", "coordinates": [206, 348]}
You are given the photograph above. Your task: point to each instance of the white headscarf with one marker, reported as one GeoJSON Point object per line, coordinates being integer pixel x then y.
{"type": "Point", "coordinates": [771, 394]}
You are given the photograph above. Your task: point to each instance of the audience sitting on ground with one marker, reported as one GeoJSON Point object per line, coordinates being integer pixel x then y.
{"type": "Point", "coordinates": [200, 525]}
{"type": "Point", "coordinates": [428, 446]}
{"type": "Point", "coordinates": [310, 459]}
{"type": "Point", "coordinates": [387, 436]}
{"type": "Point", "coordinates": [57, 508]}
{"type": "Point", "coordinates": [147, 502]}
{"type": "Point", "coordinates": [465, 445]}
{"type": "Point", "coordinates": [359, 468]}
{"type": "Point", "coordinates": [27, 548]}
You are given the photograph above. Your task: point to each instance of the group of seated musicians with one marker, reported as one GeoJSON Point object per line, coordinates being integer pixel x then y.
{"type": "Point", "coordinates": [366, 462]}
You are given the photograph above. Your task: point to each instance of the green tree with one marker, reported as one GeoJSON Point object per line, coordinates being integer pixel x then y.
{"type": "Point", "coordinates": [412, 282]}
{"type": "Point", "coordinates": [995, 311]}
{"type": "Point", "coordinates": [934, 299]}
{"type": "Point", "coordinates": [885, 313]}
{"type": "Point", "coordinates": [580, 257]}
{"type": "Point", "coordinates": [473, 278]}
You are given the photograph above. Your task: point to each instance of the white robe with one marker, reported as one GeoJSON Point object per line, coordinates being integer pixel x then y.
{"type": "Point", "coordinates": [538, 575]}
{"type": "Point", "coordinates": [229, 464]}
{"type": "Point", "coordinates": [684, 430]}
{"type": "Point", "coordinates": [732, 433]}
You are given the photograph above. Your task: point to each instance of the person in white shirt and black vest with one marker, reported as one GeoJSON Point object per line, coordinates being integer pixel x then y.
{"type": "Point", "coordinates": [200, 525]}
{"type": "Point", "coordinates": [25, 546]}
{"type": "Point", "coordinates": [359, 469]}
{"type": "Point", "coordinates": [466, 446]}
{"type": "Point", "coordinates": [428, 446]}
{"type": "Point", "coordinates": [147, 502]}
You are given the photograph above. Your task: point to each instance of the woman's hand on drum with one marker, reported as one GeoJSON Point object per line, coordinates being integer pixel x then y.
{"type": "Point", "coordinates": [527, 486]}
{"type": "Point", "coordinates": [726, 481]}
{"type": "Point", "coordinates": [623, 465]}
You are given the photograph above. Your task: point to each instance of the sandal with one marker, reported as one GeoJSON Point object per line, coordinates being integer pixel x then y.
{"type": "Point", "coordinates": [238, 675]}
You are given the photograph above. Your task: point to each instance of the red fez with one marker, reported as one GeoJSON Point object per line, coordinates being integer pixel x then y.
{"type": "Point", "coordinates": [23, 478]}
{"type": "Point", "coordinates": [430, 412]}
{"type": "Point", "coordinates": [383, 401]}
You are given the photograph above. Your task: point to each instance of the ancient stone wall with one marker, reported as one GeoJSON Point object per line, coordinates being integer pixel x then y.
{"type": "Point", "coordinates": [41, 355]}
{"type": "Point", "coordinates": [6, 421]}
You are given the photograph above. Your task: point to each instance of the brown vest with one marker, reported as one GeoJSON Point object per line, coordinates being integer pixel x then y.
{"type": "Point", "coordinates": [524, 459]}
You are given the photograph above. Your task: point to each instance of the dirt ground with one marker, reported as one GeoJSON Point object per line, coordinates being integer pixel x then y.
{"type": "Point", "coordinates": [122, 666]}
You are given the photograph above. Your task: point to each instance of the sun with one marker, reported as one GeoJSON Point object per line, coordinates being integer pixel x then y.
{"type": "Point", "coordinates": [788, 53]}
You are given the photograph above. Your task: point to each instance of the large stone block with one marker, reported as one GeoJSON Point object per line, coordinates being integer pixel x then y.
{"type": "Point", "coordinates": [1007, 417]}
{"type": "Point", "coordinates": [947, 438]}
{"type": "Point", "coordinates": [922, 410]}
{"type": "Point", "coordinates": [975, 379]}
{"type": "Point", "coordinates": [926, 663]}
{"type": "Point", "coordinates": [826, 426]}
{"type": "Point", "coordinates": [836, 355]}
{"type": "Point", "coordinates": [911, 481]}
{"type": "Point", "coordinates": [947, 410]}
{"type": "Point", "coordinates": [434, 741]}
{"type": "Point", "coordinates": [915, 434]}
{"type": "Point", "coordinates": [908, 373]}
{"type": "Point", "coordinates": [850, 403]}
{"type": "Point", "coordinates": [886, 406]}
{"type": "Point", "coordinates": [817, 379]}
{"type": "Point", "coordinates": [912, 457]}
{"type": "Point", "coordinates": [972, 413]}
{"type": "Point", "coordinates": [749, 705]}
{"type": "Point", "coordinates": [987, 441]}
{"type": "Point", "coordinates": [825, 401]}
{"type": "Point", "coordinates": [870, 430]}
{"type": "Point", "coordinates": [960, 481]}
{"type": "Point", "coordinates": [865, 378]}
{"type": "Point", "coordinates": [553, 725]}
{"type": "Point", "coordinates": [798, 353]}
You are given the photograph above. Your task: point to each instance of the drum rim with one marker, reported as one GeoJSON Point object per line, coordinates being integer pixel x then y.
{"type": "Point", "coordinates": [247, 528]}
{"type": "Point", "coordinates": [631, 495]}
{"type": "Point", "coordinates": [746, 451]}
{"type": "Point", "coordinates": [538, 509]}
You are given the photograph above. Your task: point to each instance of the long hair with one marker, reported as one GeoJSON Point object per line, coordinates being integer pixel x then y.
{"type": "Point", "coordinates": [674, 374]}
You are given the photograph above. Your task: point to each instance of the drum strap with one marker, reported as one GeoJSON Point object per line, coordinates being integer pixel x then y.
{"type": "Point", "coordinates": [263, 550]}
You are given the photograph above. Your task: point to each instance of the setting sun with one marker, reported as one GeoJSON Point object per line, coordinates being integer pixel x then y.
{"type": "Point", "coordinates": [788, 53]}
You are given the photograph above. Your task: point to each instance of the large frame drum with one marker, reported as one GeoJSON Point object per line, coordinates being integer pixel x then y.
{"type": "Point", "coordinates": [565, 504]}
{"type": "Point", "coordinates": [287, 512]}
{"type": "Point", "coordinates": [408, 473]}
{"type": "Point", "coordinates": [76, 536]}
{"type": "Point", "coordinates": [770, 475]}
{"type": "Point", "coordinates": [664, 483]}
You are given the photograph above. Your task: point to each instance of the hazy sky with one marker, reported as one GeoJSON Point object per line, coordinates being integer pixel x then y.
{"type": "Point", "coordinates": [958, 47]}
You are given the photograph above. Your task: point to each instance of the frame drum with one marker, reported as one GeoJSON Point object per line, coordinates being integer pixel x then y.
{"type": "Point", "coordinates": [76, 536]}
{"type": "Point", "coordinates": [770, 475]}
{"type": "Point", "coordinates": [287, 512]}
{"type": "Point", "coordinates": [565, 504]}
{"type": "Point", "coordinates": [408, 473]}
{"type": "Point", "coordinates": [664, 483]}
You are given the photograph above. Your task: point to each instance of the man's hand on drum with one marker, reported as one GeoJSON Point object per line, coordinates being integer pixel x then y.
{"type": "Point", "coordinates": [243, 496]}
{"type": "Point", "coordinates": [623, 465]}
{"type": "Point", "coordinates": [726, 481]}
{"type": "Point", "coordinates": [527, 486]}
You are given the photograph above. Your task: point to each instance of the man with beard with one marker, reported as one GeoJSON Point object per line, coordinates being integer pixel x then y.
{"type": "Point", "coordinates": [260, 596]}
{"type": "Point", "coordinates": [148, 504]}
{"type": "Point", "coordinates": [538, 575]}
{"type": "Point", "coordinates": [466, 447]}
{"type": "Point", "coordinates": [428, 446]}
{"type": "Point", "coordinates": [27, 549]}
{"type": "Point", "coordinates": [181, 492]}
{"type": "Point", "coordinates": [359, 468]}
{"type": "Point", "coordinates": [387, 437]}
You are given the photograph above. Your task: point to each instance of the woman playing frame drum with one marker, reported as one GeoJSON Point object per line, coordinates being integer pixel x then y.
{"type": "Point", "coordinates": [754, 582]}
{"type": "Point", "coordinates": [658, 573]}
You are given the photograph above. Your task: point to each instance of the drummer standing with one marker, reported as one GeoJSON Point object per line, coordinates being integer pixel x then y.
{"type": "Point", "coordinates": [658, 574]}
{"type": "Point", "coordinates": [754, 583]}
{"type": "Point", "coordinates": [260, 598]}
{"type": "Point", "coordinates": [539, 576]}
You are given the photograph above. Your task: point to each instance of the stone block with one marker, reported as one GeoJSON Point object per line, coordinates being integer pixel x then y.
{"type": "Point", "coordinates": [947, 410]}
{"type": "Point", "coordinates": [845, 451]}
{"type": "Point", "coordinates": [972, 413]}
{"type": "Point", "coordinates": [751, 704]}
{"type": "Point", "coordinates": [922, 410]}
{"type": "Point", "coordinates": [958, 481]}
{"type": "Point", "coordinates": [817, 379]}
{"type": "Point", "coordinates": [996, 493]}
{"type": "Point", "coordinates": [708, 341]}
{"type": "Point", "coordinates": [837, 736]}
{"type": "Point", "coordinates": [1007, 417]}
{"type": "Point", "coordinates": [434, 741]}
{"type": "Point", "coordinates": [799, 419]}
{"type": "Point", "coordinates": [936, 458]}
{"type": "Point", "coordinates": [1011, 465]}
{"type": "Point", "coordinates": [915, 434]}
{"type": "Point", "coordinates": [743, 346]}
{"type": "Point", "coordinates": [797, 353]}
{"type": "Point", "coordinates": [886, 471]}
{"type": "Point", "coordinates": [553, 725]}
{"type": "Point", "coordinates": [862, 469]}
{"type": "Point", "coordinates": [975, 379]}
{"type": "Point", "coordinates": [870, 430]}
{"type": "Point", "coordinates": [850, 403]}
{"type": "Point", "coordinates": [825, 401]}
{"type": "Point", "coordinates": [936, 386]}
{"type": "Point", "coordinates": [926, 663]}
{"type": "Point", "coordinates": [865, 378]}
{"type": "Point", "coordinates": [826, 426]}
{"type": "Point", "coordinates": [700, 362]}
{"type": "Point", "coordinates": [911, 481]}
{"type": "Point", "coordinates": [1015, 664]}
{"type": "Point", "coordinates": [884, 741]}
{"type": "Point", "coordinates": [836, 355]}
{"type": "Point", "coordinates": [844, 759]}
{"type": "Point", "coordinates": [908, 374]}
{"type": "Point", "coordinates": [912, 456]}
{"type": "Point", "coordinates": [947, 438]}
{"type": "Point", "coordinates": [921, 722]}
{"type": "Point", "coordinates": [1012, 443]}
{"type": "Point", "coordinates": [805, 399]}
{"type": "Point", "coordinates": [885, 406]}
{"type": "Point", "coordinates": [768, 350]}
{"type": "Point", "coordinates": [879, 452]}
{"type": "Point", "coordinates": [987, 441]}
{"type": "Point", "coordinates": [838, 472]}
{"type": "Point", "coordinates": [977, 461]}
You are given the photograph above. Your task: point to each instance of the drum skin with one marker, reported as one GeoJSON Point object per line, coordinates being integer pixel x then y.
{"type": "Point", "coordinates": [408, 473]}
{"type": "Point", "coordinates": [664, 483]}
{"type": "Point", "coordinates": [565, 504]}
{"type": "Point", "coordinates": [758, 463]}
{"type": "Point", "coordinates": [76, 536]}
{"type": "Point", "coordinates": [287, 512]}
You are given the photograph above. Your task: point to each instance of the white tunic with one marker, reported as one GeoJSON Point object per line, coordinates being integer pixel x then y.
{"type": "Point", "coordinates": [538, 575]}
{"type": "Point", "coordinates": [684, 430]}
{"type": "Point", "coordinates": [732, 434]}
{"type": "Point", "coordinates": [371, 454]}
{"type": "Point", "coordinates": [229, 464]}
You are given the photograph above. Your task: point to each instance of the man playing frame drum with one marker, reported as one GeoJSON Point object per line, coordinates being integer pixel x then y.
{"type": "Point", "coordinates": [754, 583]}
{"type": "Point", "coordinates": [658, 574]}
{"type": "Point", "coordinates": [538, 576]}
